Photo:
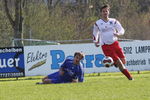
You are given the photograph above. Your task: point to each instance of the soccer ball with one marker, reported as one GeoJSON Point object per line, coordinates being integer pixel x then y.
{"type": "Point", "coordinates": [107, 61]}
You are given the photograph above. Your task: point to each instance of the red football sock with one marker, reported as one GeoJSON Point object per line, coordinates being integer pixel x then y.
{"type": "Point", "coordinates": [127, 74]}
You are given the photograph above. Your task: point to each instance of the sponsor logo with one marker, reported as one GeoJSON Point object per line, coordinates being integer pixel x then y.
{"type": "Point", "coordinates": [58, 56]}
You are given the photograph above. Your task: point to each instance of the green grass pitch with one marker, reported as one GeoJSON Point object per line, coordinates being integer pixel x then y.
{"type": "Point", "coordinates": [107, 86]}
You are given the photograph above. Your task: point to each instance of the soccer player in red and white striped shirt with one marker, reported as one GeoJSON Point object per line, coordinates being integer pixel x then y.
{"type": "Point", "coordinates": [105, 33]}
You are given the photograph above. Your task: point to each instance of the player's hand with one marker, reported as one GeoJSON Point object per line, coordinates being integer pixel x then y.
{"type": "Point", "coordinates": [61, 72]}
{"type": "Point", "coordinates": [97, 44]}
{"type": "Point", "coordinates": [116, 35]}
{"type": "Point", "coordinates": [74, 81]}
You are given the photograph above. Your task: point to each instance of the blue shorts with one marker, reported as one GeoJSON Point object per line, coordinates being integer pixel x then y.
{"type": "Point", "coordinates": [55, 78]}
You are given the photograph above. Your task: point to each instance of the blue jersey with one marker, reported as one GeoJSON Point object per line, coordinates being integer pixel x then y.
{"type": "Point", "coordinates": [71, 71]}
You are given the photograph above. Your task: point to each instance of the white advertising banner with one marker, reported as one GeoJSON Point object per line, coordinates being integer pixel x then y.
{"type": "Point", "coordinates": [43, 60]}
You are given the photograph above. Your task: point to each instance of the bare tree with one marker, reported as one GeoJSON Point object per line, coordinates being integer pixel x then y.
{"type": "Point", "coordinates": [16, 20]}
{"type": "Point", "coordinates": [51, 4]}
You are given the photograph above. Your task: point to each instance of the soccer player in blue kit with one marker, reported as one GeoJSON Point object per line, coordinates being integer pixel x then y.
{"type": "Point", "coordinates": [70, 71]}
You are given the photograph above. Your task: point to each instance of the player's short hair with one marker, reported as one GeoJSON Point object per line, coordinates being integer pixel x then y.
{"type": "Point", "coordinates": [104, 6]}
{"type": "Point", "coordinates": [80, 54]}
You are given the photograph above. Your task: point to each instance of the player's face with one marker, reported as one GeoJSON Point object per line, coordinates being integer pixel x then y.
{"type": "Point", "coordinates": [77, 59]}
{"type": "Point", "coordinates": [105, 12]}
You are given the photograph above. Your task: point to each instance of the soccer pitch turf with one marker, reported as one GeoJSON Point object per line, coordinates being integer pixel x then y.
{"type": "Point", "coordinates": [107, 86]}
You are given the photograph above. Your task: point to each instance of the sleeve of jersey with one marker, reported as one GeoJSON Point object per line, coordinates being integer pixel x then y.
{"type": "Point", "coordinates": [95, 33]}
{"type": "Point", "coordinates": [119, 28]}
{"type": "Point", "coordinates": [64, 64]}
{"type": "Point", "coordinates": [81, 76]}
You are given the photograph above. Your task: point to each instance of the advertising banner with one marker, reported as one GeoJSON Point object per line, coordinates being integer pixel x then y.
{"type": "Point", "coordinates": [11, 62]}
{"type": "Point", "coordinates": [43, 60]}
